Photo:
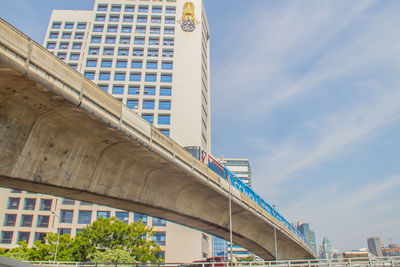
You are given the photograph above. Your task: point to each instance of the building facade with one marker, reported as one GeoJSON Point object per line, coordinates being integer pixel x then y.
{"type": "Point", "coordinates": [240, 167]}
{"type": "Point", "coordinates": [304, 229]}
{"type": "Point", "coordinates": [153, 56]}
{"type": "Point", "coordinates": [325, 251]}
{"type": "Point", "coordinates": [375, 246]}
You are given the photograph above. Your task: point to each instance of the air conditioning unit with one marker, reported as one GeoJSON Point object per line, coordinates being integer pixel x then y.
{"type": "Point", "coordinates": [123, 53]}
{"type": "Point", "coordinates": [108, 53]}
{"type": "Point", "coordinates": [125, 42]}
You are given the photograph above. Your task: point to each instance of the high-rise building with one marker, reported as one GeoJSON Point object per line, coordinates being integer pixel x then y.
{"type": "Point", "coordinates": [375, 246]}
{"type": "Point", "coordinates": [152, 55]}
{"type": "Point", "coordinates": [325, 251]}
{"type": "Point", "coordinates": [304, 229]}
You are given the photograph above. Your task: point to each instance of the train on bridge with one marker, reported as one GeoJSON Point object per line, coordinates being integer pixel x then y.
{"type": "Point", "coordinates": [225, 173]}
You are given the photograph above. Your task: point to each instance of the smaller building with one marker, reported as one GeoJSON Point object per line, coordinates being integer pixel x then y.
{"type": "Point", "coordinates": [375, 246]}
{"type": "Point", "coordinates": [240, 167]}
{"type": "Point", "coordinates": [304, 229]}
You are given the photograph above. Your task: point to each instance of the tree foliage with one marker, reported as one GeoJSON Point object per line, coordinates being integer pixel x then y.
{"type": "Point", "coordinates": [106, 240]}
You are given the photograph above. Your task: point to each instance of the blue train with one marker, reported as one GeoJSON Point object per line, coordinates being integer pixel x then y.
{"type": "Point", "coordinates": [222, 171]}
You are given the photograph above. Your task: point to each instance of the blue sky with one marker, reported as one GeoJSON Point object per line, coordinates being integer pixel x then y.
{"type": "Point", "coordinates": [309, 91]}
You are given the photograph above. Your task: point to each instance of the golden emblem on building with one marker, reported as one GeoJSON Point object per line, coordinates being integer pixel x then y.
{"type": "Point", "coordinates": [188, 21]}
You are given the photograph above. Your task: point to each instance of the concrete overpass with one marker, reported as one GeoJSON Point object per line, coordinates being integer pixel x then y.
{"type": "Point", "coordinates": [62, 135]}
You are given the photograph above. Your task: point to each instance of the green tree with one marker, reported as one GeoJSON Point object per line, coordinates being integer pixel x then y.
{"type": "Point", "coordinates": [112, 256]}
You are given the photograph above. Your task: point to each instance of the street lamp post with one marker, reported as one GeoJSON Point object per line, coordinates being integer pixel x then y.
{"type": "Point", "coordinates": [230, 218]}
{"type": "Point", "coordinates": [58, 235]}
{"type": "Point", "coordinates": [276, 245]}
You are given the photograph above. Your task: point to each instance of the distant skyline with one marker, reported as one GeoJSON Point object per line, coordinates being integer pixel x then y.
{"type": "Point", "coordinates": [309, 91]}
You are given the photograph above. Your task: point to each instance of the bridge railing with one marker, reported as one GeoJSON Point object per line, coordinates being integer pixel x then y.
{"type": "Point", "coordinates": [33, 60]}
{"type": "Point", "coordinates": [339, 262]}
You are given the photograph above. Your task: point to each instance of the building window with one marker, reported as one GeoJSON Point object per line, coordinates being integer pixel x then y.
{"type": "Point", "coordinates": [98, 28]}
{"type": "Point", "coordinates": [135, 77]}
{"type": "Point", "coordinates": [142, 19]}
{"type": "Point", "coordinates": [40, 236]}
{"type": "Point", "coordinates": [152, 52]}
{"type": "Point", "coordinates": [29, 203]}
{"type": "Point", "coordinates": [81, 26]}
{"type": "Point", "coordinates": [106, 63]}
{"type": "Point", "coordinates": [149, 90]}
{"type": "Point", "coordinates": [112, 28]}
{"type": "Point", "coordinates": [100, 18]}
{"type": "Point", "coordinates": [167, 65]}
{"type": "Point", "coordinates": [154, 41]}
{"type": "Point", "coordinates": [104, 87]}
{"type": "Point", "coordinates": [165, 131]}
{"type": "Point", "coordinates": [168, 30]}
{"type": "Point", "coordinates": [126, 29]}
{"type": "Point", "coordinates": [168, 53]}
{"type": "Point", "coordinates": [155, 30]}
{"type": "Point", "coordinates": [170, 10]}
{"type": "Point", "coordinates": [6, 237]}
{"type": "Point", "coordinates": [119, 76]}
{"type": "Point", "coordinates": [66, 216]}
{"type": "Point", "coordinates": [43, 221]}
{"type": "Point", "coordinates": [85, 217]}
{"type": "Point", "coordinates": [140, 218]}
{"type": "Point", "coordinates": [102, 7]}
{"type": "Point", "coordinates": [116, 8]}
{"type": "Point", "coordinates": [124, 40]}
{"type": "Point", "coordinates": [56, 25]}
{"type": "Point", "coordinates": [165, 91]}
{"type": "Point", "coordinates": [156, 9]}
{"type": "Point", "coordinates": [148, 104]}
{"type": "Point", "coordinates": [136, 64]}
{"type": "Point", "coordinates": [166, 78]}
{"type": "Point", "coordinates": [26, 220]}
{"type": "Point", "coordinates": [132, 104]}
{"type": "Point", "coordinates": [10, 219]}
{"type": "Point", "coordinates": [143, 9]}
{"type": "Point", "coordinates": [79, 35]}
{"type": "Point", "coordinates": [66, 35]}
{"type": "Point", "coordinates": [104, 76]}
{"type": "Point", "coordinates": [133, 90]}
{"type": "Point", "coordinates": [51, 45]}
{"type": "Point", "coordinates": [16, 191]}
{"type": "Point", "coordinates": [13, 203]}
{"type": "Point", "coordinates": [64, 231]}
{"type": "Point", "coordinates": [129, 8]}
{"type": "Point", "coordinates": [164, 119]}
{"type": "Point", "coordinates": [45, 204]}
{"type": "Point", "coordinates": [53, 35]}
{"type": "Point", "coordinates": [127, 19]}
{"type": "Point", "coordinates": [170, 20]}
{"type": "Point", "coordinates": [104, 214]}
{"type": "Point", "coordinates": [161, 255]}
{"type": "Point", "coordinates": [139, 41]}
{"type": "Point", "coordinates": [95, 39]}
{"type": "Point", "coordinates": [168, 41]}
{"type": "Point", "coordinates": [62, 56]}
{"type": "Point", "coordinates": [122, 215]}
{"type": "Point", "coordinates": [156, 19]}
{"type": "Point", "coordinates": [152, 65]}
{"type": "Point", "coordinates": [89, 75]}
{"type": "Point", "coordinates": [110, 40]}
{"type": "Point", "coordinates": [140, 29]}
{"type": "Point", "coordinates": [159, 222]}
{"type": "Point", "coordinates": [164, 105]}
{"type": "Point", "coordinates": [64, 45]}
{"type": "Point", "coordinates": [122, 64]}
{"type": "Point", "coordinates": [151, 77]}
{"type": "Point", "coordinates": [23, 236]}
{"type": "Point", "coordinates": [77, 46]}
{"type": "Point", "coordinates": [94, 50]}
{"type": "Point", "coordinates": [108, 51]}
{"type": "Point", "coordinates": [69, 25]}
{"type": "Point", "coordinates": [118, 90]}
{"type": "Point", "coordinates": [74, 56]}
{"type": "Point", "coordinates": [92, 63]}
{"type": "Point", "coordinates": [67, 201]}
{"type": "Point", "coordinates": [114, 18]}
{"type": "Point", "coordinates": [74, 66]}
{"type": "Point", "coordinates": [148, 117]}
{"type": "Point", "coordinates": [123, 52]}
{"type": "Point", "coordinates": [159, 237]}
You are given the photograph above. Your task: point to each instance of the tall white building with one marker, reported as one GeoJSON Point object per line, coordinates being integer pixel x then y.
{"type": "Point", "coordinates": [152, 55]}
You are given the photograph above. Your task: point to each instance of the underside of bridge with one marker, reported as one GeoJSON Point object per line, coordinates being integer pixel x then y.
{"type": "Point", "coordinates": [52, 145]}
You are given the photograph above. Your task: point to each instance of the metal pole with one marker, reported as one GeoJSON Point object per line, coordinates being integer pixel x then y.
{"type": "Point", "coordinates": [276, 245]}
{"type": "Point", "coordinates": [230, 217]}
{"type": "Point", "coordinates": [58, 235]}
